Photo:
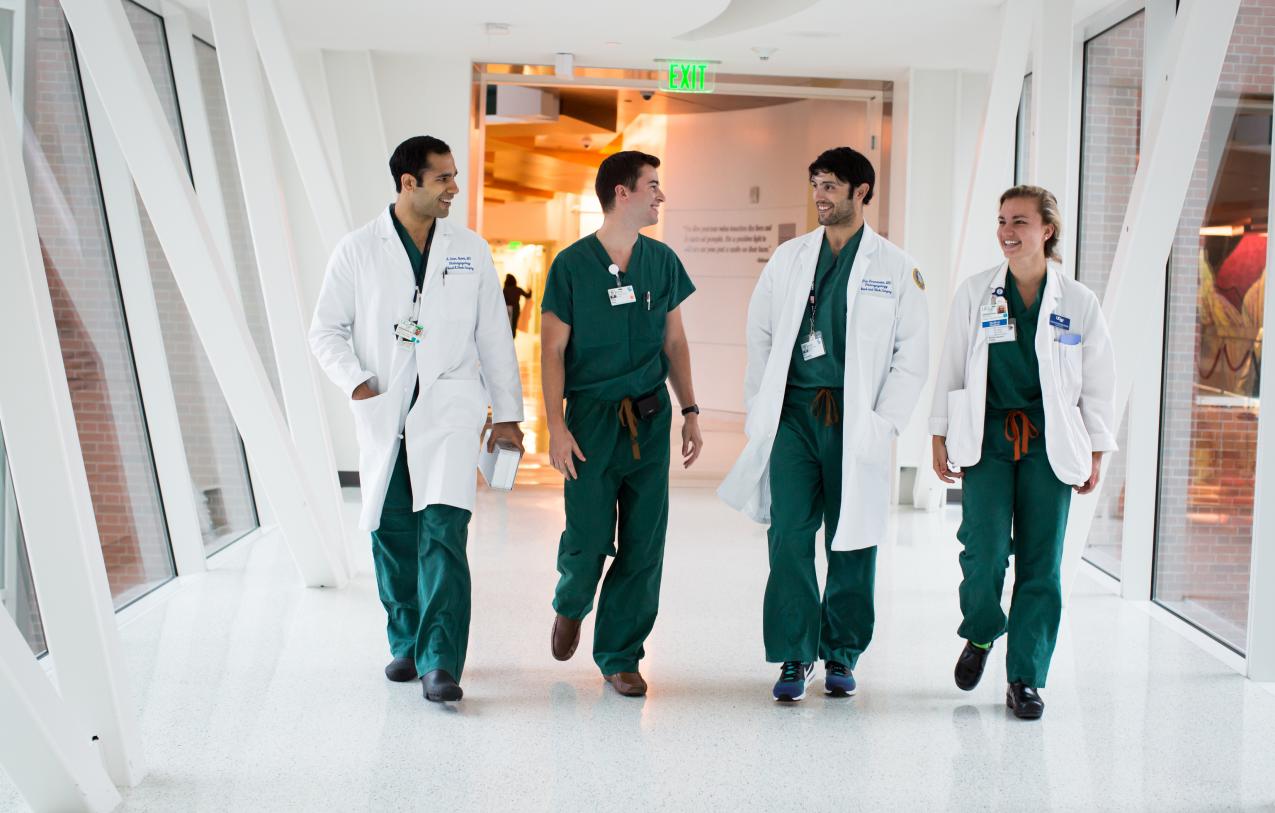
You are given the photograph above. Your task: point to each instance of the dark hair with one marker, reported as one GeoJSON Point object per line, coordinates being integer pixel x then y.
{"type": "Point", "coordinates": [412, 158]}
{"type": "Point", "coordinates": [849, 166]}
{"type": "Point", "coordinates": [510, 279]}
{"type": "Point", "coordinates": [1047, 205]}
{"type": "Point", "coordinates": [623, 168]}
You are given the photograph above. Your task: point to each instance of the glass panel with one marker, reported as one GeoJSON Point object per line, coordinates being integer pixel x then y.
{"type": "Point", "coordinates": [1111, 127]}
{"type": "Point", "coordinates": [17, 593]}
{"type": "Point", "coordinates": [6, 43]}
{"type": "Point", "coordinates": [236, 210]}
{"type": "Point", "coordinates": [1217, 278]}
{"type": "Point", "coordinates": [214, 452]}
{"type": "Point", "coordinates": [1023, 134]}
{"type": "Point", "coordinates": [88, 309]}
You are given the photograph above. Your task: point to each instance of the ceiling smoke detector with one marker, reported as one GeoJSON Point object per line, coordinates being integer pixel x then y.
{"type": "Point", "coordinates": [497, 29]}
{"type": "Point", "coordinates": [763, 52]}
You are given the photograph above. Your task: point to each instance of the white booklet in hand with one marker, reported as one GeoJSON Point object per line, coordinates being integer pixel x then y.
{"type": "Point", "coordinates": [501, 466]}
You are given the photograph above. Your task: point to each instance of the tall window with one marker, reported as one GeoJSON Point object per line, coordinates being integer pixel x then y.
{"type": "Point", "coordinates": [245, 258]}
{"type": "Point", "coordinates": [76, 248]}
{"type": "Point", "coordinates": [1212, 393]}
{"type": "Point", "coordinates": [17, 593]}
{"type": "Point", "coordinates": [1023, 134]}
{"type": "Point", "coordinates": [1110, 139]}
{"type": "Point", "coordinates": [214, 452]}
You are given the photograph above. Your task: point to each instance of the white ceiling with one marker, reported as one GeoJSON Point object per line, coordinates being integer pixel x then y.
{"type": "Point", "coordinates": [864, 39]}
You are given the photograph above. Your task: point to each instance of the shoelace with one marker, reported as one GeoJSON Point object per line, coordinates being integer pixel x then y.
{"type": "Point", "coordinates": [837, 669]}
{"type": "Point", "coordinates": [793, 670]}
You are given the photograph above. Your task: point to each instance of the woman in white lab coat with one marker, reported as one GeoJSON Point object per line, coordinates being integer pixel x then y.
{"type": "Point", "coordinates": [1023, 412]}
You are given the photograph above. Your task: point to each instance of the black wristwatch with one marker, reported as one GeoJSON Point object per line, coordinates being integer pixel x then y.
{"type": "Point", "coordinates": [688, 410]}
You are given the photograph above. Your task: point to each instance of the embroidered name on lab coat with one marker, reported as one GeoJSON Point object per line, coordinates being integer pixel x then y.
{"type": "Point", "coordinates": [879, 287]}
{"type": "Point", "coordinates": [459, 265]}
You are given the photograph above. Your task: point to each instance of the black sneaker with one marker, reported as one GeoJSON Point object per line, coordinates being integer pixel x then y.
{"type": "Point", "coordinates": [1024, 701]}
{"type": "Point", "coordinates": [794, 677]}
{"type": "Point", "coordinates": [401, 670]}
{"type": "Point", "coordinates": [969, 666]}
{"type": "Point", "coordinates": [440, 687]}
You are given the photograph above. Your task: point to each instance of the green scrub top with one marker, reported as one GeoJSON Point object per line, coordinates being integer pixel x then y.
{"type": "Point", "coordinates": [414, 254]}
{"type": "Point", "coordinates": [1013, 371]}
{"type": "Point", "coordinates": [615, 352]}
{"type": "Point", "coordinates": [832, 279]}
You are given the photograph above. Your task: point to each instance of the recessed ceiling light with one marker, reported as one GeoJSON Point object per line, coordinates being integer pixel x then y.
{"type": "Point", "coordinates": [613, 44]}
{"type": "Point", "coordinates": [497, 29]}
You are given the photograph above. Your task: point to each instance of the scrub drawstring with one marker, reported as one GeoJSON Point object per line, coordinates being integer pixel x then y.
{"type": "Point", "coordinates": [628, 419]}
{"type": "Point", "coordinates": [826, 402]}
{"type": "Point", "coordinates": [1018, 430]}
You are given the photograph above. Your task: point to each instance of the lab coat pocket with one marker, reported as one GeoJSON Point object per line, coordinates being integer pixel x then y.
{"type": "Point", "coordinates": [374, 427]}
{"type": "Point", "coordinates": [875, 439]}
{"type": "Point", "coordinates": [1070, 371]}
{"type": "Point", "coordinates": [458, 403]}
{"type": "Point", "coordinates": [960, 430]}
{"type": "Point", "coordinates": [1077, 468]}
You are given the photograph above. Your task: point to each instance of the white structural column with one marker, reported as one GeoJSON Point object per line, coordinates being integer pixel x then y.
{"type": "Point", "coordinates": [976, 246]}
{"type": "Point", "coordinates": [50, 483]}
{"type": "Point", "coordinates": [1052, 76]}
{"type": "Point", "coordinates": [1142, 420]}
{"type": "Point", "coordinates": [45, 751]}
{"type": "Point", "coordinates": [317, 171]}
{"type": "Point", "coordinates": [117, 71]}
{"type": "Point", "coordinates": [277, 265]}
{"type": "Point", "coordinates": [1180, 100]}
{"type": "Point", "coordinates": [365, 155]}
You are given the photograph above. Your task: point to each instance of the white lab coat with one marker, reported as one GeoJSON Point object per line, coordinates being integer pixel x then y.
{"type": "Point", "coordinates": [1077, 382]}
{"type": "Point", "coordinates": [887, 355]}
{"type": "Point", "coordinates": [368, 289]}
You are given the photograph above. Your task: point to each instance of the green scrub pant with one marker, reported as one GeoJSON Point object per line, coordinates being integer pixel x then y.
{"type": "Point", "coordinates": [614, 488]}
{"type": "Point", "coordinates": [805, 492]}
{"type": "Point", "coordinates": [1019, 508]}
{"type": "Point", "coordinates": [422, 574]}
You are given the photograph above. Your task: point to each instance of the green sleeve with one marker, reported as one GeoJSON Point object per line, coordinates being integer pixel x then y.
{"type": "Point", "coordinates": [682, 286]}
{"type": "Point", "coordinates": [557, 297]}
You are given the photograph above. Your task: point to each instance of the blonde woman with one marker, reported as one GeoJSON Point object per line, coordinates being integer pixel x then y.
{"type": "Point", "coordinates": [1024, 409]}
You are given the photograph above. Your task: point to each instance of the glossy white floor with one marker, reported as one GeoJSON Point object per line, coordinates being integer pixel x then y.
{"type": "Point", "coordinates": [256, 694]}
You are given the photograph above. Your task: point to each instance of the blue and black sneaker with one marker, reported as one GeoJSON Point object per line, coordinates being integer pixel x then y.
{"type": "Point", "coordinates": [838, 680]}
{"type": "Point", "coordinates": [794, 677]}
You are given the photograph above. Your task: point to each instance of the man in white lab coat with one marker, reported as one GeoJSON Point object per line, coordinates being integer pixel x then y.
{"type": "Point", "coordinates": [412, 325]}
{"type": "Point", "coordinates": [837, 355]}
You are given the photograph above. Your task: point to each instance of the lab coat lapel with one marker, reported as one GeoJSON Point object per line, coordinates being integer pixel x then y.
{"type": "Point", "coordinates": [1050, 296]}
{"type": "Point", "coordinates": [396, 255]}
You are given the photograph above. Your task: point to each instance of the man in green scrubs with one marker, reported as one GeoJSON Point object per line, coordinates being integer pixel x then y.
{"type": "Point", "coordinates": [1014, 503]}
{"type": "Point", "coordinates": [806, 463]}
{"type": "Point", "coordinates": [612, 334]}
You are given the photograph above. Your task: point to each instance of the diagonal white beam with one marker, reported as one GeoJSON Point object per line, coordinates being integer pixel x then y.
{"type": "Point", "coordinates": [276, 263]}
{"type": "Point", "coordinates": [116, 69]}
{"type": "Point", "coordinates": [1180, 100]}
{"type": "Point", "coordinates": [317, 169]}
{"type": "Point", "coordinates": [50, 482]}
{"type": "Point", "coordinates": [48, 755]}
{"type": "Point", "coordinates": [1052, 78]}
{"type": "Point", "coordinates": [976, 245]}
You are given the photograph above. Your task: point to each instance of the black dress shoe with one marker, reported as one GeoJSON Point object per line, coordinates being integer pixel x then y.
{"type": "Point", "coordinates": [440, 687]}
{"type": "Point", "coordinates": [969, 666]}
{"type": "Point", "coordinates": [1024, 701]}
{"type": "Point", "coordinates": [401, 670]}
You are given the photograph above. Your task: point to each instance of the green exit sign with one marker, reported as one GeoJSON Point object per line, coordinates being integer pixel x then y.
{"type": "Point", "coordinates": [689, 77]}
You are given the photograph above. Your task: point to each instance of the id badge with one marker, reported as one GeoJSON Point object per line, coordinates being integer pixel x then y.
{"type": "Point", "coordinates": [812, 347]}
{"type": "Point", "coordinates": [622, 296]}
{"type": "Point", "coordinates": [408, 331]}
{"type": "Point", "coordinates": [1007, 333]}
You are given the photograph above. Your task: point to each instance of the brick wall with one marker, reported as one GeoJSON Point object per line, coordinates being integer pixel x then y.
{"type": "Point", "coordinates": [87, 306]}
{"type": "Point", "coordinates": [1110, 143]}
{"type": "Point", "coordinates": [1209, 443]}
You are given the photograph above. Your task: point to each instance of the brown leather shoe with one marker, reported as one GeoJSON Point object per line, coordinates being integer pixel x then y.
{"type": "Point", "coordinates": [565, 637]}
{"type": "Point", "coordinates": [629, 684]}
